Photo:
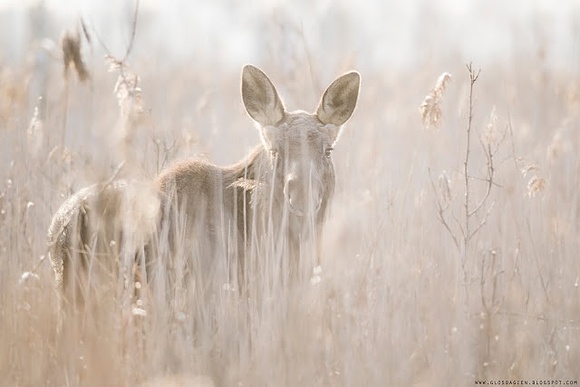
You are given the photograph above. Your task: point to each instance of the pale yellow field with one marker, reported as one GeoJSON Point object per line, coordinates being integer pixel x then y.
{"type": "Point", "coordinates": [412, 291]}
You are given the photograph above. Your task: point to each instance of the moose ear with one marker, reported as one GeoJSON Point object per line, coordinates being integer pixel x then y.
{"type": "Point", "coordinates": [339, 99]}
{"type": "Point", "coordinates": [260, 97]}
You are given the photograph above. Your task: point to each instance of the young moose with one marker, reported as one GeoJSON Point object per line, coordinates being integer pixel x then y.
{"type": "Point", "coordinates": [269, 207]}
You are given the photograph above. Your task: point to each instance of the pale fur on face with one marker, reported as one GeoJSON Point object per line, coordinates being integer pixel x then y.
{"type": "Point", "coordinates": [299, 148]}
{"type": "Point", "coordinates": [300, 143]}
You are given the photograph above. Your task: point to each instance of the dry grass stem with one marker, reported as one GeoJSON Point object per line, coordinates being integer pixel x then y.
{"type": "Point", "coordinates": [35, 131]}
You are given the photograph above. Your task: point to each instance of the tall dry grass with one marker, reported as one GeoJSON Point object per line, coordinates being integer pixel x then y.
{"type": "Point", "coordinates": [403, 297]}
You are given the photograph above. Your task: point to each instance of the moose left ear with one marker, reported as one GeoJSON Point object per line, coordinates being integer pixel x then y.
{"type": "Point", "coordinates": [260, 97]}
{"type": "Point", "coordinates": [339, 99]}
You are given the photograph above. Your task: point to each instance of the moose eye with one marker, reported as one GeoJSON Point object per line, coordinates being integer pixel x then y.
{"type": "Point", "coordinates": [328, 152]}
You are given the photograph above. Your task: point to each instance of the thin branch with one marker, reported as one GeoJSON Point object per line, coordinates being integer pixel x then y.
{"type": "Point", "coordinates": [486, 180]}
{"type": "Point", "coordinates": [101, 43]}
{"type": "Point", "coordinates": [489, 180]}
{"type": "Point", "coordinates": [131, 39]}
{"type": "Point", "coordinates": [459, 225]}
{"type": "Point", "coordinates": [482, 286]}
{"type": "Point", "coordinates": [483, 221]}
{"type": "Point", "coordinates": [441, 211]}
{"type": "Point", "coordinates": [133, 32]}
{"type": "Point", "coordinates": [511, 132]}
{"type": "Point", "coordinates": [536, 261]}
{"type": "Point", "coordinates": [473, 76]}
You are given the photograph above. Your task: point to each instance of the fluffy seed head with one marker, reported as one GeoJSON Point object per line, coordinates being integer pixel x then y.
{"type": "Point", "coordinates": [71, 55]}
{"type": "Point", "coordinates": [430, 108]}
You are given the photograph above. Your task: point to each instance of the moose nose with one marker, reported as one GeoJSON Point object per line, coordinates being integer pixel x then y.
{"type": "Point", "coordinates": [302, 199]}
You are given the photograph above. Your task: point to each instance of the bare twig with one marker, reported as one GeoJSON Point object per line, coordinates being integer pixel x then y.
{"type": "Point", "coordinates": [511, 132]}
{"type": "Point", "coordinates": [441, 211]}
{"type": "Point", "coordinates": [536, 261]}
{"type": "Point", "coordinates": [131, 39]}
{"type": "Point", "coordinates": [133, 32]}
{"type": "Point", "coordinates": [473, 76]}
{"type": "Point", "coordinates": [488, 179]}
{"type": "Point", "coordinates": [482, 222]}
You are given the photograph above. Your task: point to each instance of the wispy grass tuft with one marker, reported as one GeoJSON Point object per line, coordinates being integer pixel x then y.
{"type": "Point", "coordinates": [35, 131]}
{"type": "Point", "coordinates": [430, 108]}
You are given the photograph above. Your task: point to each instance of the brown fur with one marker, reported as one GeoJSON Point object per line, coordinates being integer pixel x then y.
{"type": "Point", "coordinates": [103, 221]}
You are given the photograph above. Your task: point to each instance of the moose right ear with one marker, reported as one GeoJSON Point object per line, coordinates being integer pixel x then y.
{"type": "Point", "coordinates": [339, 100]}
{"type": "Point", "coordinates": [260, 97]}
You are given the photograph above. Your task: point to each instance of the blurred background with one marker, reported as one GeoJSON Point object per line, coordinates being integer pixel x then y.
{"type": "Point", "coordinates": [413, 300]}
{"type": "Point", "coordinates": [302, 45]}
{"type": "Point", "coordinates": [375, 35]}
